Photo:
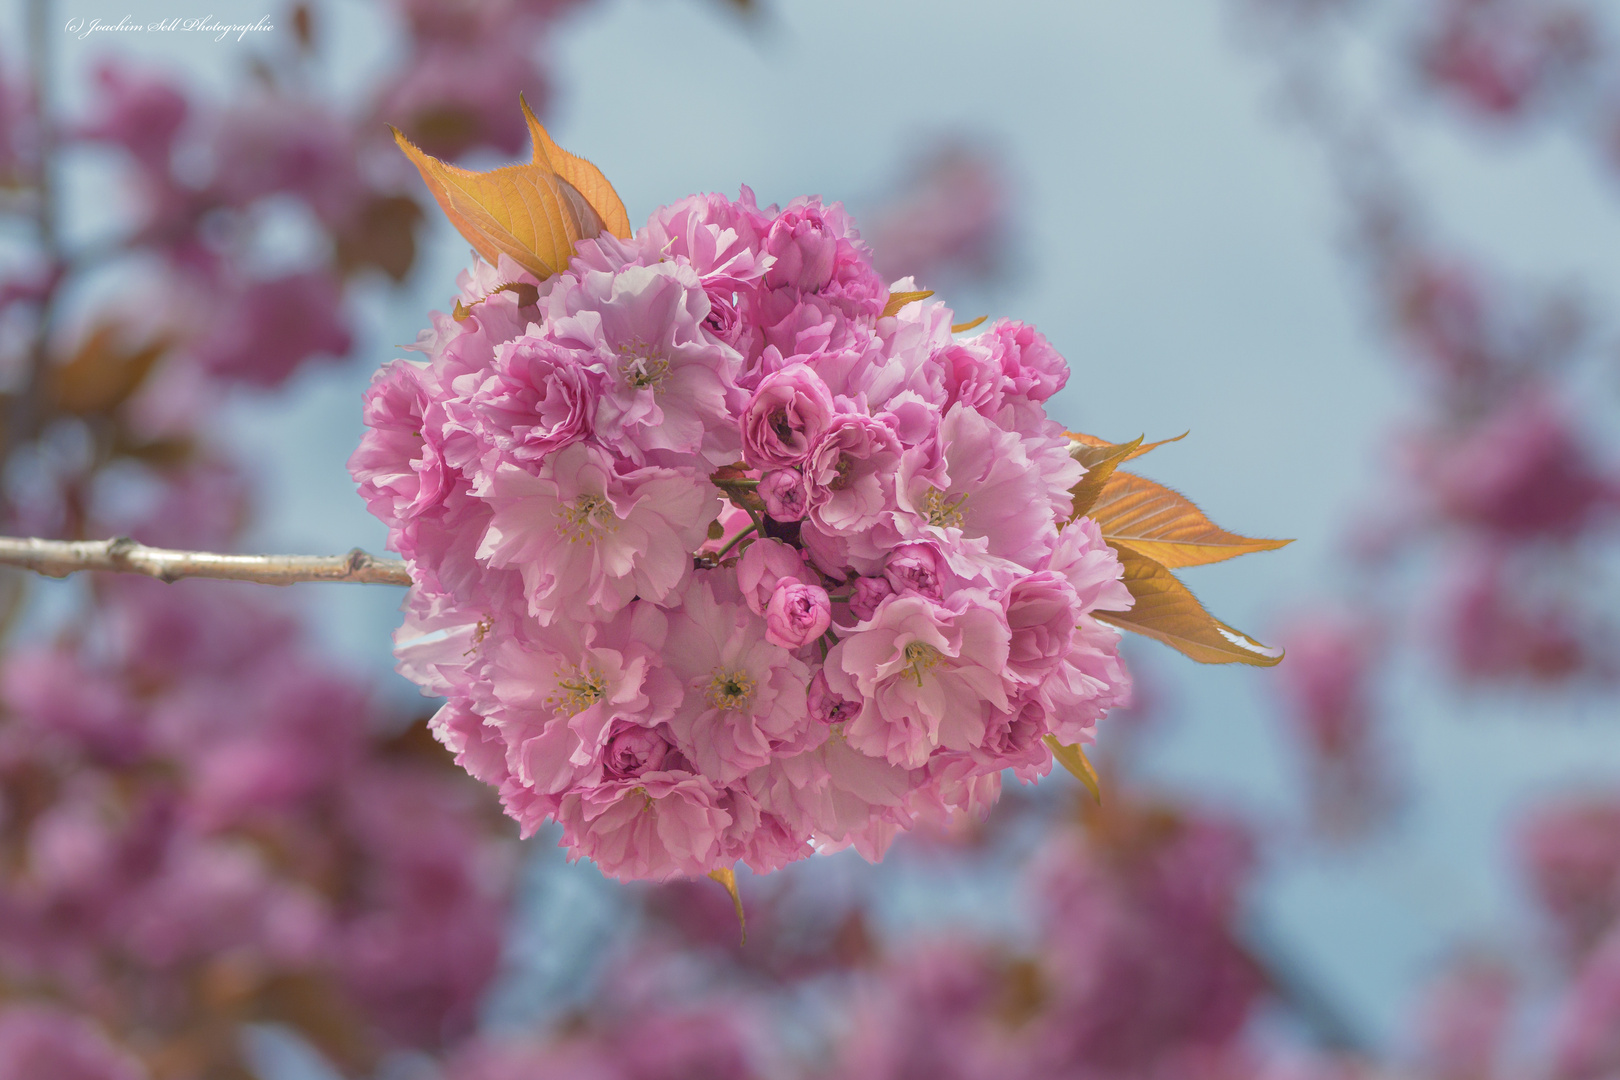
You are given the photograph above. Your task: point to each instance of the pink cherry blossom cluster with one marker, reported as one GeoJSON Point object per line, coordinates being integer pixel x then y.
{"type": "Point", "coordinates": [719, 560]}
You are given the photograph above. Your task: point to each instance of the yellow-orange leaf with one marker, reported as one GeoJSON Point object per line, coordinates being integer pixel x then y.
{"type": "Point", "coordinates": [1092, 440]}
{"type": "Point", "coordinates": [527, 296]}
{"type": "Point", "coordinates": [1100, 462]}
{"type": "Point", "coordinates": [898, 300]}
{"type": "Point", "coordinates": [1074, 759]}
{"type": "Point", "coordinates": [728, 878]}
{"type": "Point", "coordinates": [963, 327]}
{"type": "Point", "coordinates": [586, 178]}
{"type": "Point", "coordinates": [1167, 611]}
{"type": "Point", "coordinates": [103, 373]}
{"type": "Point", "coordinates": [1165, 526]}
{"type": "Point", "coordinates": [534, 213]}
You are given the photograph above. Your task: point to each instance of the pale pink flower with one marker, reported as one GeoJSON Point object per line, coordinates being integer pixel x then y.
{"type": "Point", "coordinates": [983, 487]}
{"type": "Point", "coordinates": [745, 697]}
{"type": "Point", "coordinates": [925, 675]}
{"type": "Point", "coordinates": [651, 827]}
{"type": "Point", "coordinates": [558, 694]}
{"type": "Point", "coordinates": [1091, 680]}
{"type": "Point", "coordinates": [540, 398]}
{"type": "Point", "coordinates": [1030, 367]}
{"type": "Point", "coordinates": [720, 238]}
{"type": "Point", "coordinates": [587, 536]}
{"type": "Point", "coordinates": [631, 750]}
{"type": "Point", "coordinates": [1042, 614]}
{"type": "Point", "coordinates": [666, 381]}
{"type": "Point", "coordinates": [1012, 740]}
{"type": "Point", "coordinates": [851, 473]}
{"type": "Point", "coordinates": [1082, 556]}
{"type": "Point", "coordinates": [547, 477]}
{"type": "Point", "coordinates": [846, 798]}
{"type": "Point", "coordinates": [800, 324]}
{"type": "Point", "coordinates": [476, 745]}
{"type": "Point", "coordinates": [401, 473]}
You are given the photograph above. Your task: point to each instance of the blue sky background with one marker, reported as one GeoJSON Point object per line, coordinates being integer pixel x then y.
{"type": "Point", "coordinates": [1177, 242]}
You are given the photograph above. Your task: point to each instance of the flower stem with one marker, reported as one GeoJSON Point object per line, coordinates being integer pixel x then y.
{"type": "Point", "coordinates": [735, 540]}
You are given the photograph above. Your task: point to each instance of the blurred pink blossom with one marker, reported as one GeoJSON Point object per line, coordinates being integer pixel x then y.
{"type": "Point", "coordinates": [1570, 852]}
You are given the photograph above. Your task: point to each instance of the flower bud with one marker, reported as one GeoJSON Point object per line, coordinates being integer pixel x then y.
{"type": "Point", "coordinates": [797, 614]}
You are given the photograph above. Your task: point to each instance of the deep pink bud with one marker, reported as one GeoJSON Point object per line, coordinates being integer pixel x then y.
{"type": "Point", "coordinates": [1042, 613]}
{"type": "Point", "coordinates": [764, 564]}
{"type": "Point", "coordinates": [788, 413]}
{"type": "Point", "coordinates": [797, 614]}
{"type": "Point", "coordinates": [633, 750]}
{"type": "Point", "coordinates": [869, 593]}
{"type": "Point", "coordinates": [786, 494]}
{"type": "Point", "coordinates": [916, 568]}
{"type": "Point", "coordinates": [806, 250]}
{"type": "Point", "coordinates": [826, 706]}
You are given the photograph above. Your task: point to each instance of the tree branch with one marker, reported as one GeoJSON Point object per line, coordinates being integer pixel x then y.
{"type": "Point", "coordinates": [59, 558]}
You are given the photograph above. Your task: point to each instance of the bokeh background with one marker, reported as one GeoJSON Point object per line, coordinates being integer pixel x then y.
{"type": "Point", "coordinates": [1367, 253]}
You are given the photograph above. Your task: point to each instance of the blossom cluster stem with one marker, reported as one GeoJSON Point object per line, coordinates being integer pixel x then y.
{"type": "Point", "coordinates": [59, 558]}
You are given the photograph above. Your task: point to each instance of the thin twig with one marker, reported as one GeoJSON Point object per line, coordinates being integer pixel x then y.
{"type": "Point", "coordinates": [59, 558]}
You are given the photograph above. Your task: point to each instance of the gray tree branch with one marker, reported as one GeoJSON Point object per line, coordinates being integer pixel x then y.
{"type": "Point", "coordinates": [59, 558]}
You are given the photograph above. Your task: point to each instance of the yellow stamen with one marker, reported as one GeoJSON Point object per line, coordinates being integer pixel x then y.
{"type": "Point", "coordinates": [577, 690]}
{"type": "Point", "coordinates": [940, 512]}
{"type": "Point", "coordinates": [920, 656]}
{"type": "Point", "coordinates": [730, 690]}
{"type": "Point", "coordinates": [642, 367]}
{"type": "Point", "coordinates": [586, 518]}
